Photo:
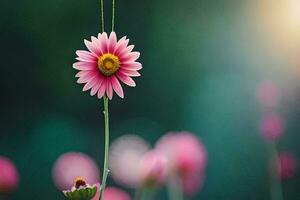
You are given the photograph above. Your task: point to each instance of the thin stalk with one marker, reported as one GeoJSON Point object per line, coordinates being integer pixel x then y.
{"type": "Point", "coordinates": [113, 16]}
{"type": "Point", "coordinates": [106, 148]}
{"type": "Point", "coordinates": [276, 185]}
{"type": "Point", "coordinates": [174, 187]}
{"type": "Point", "coordinates": [144, 193]}
{"type": "Point", "coordinates": [102, 15]}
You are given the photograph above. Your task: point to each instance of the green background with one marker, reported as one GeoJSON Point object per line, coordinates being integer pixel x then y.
{"type": "Point", "coordinates": [202, 61]}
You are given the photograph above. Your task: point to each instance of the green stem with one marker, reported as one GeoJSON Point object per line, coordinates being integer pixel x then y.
{"type": "Point", "coordinates": [113, 16]}
{"type": "Point", "coordinates": [105, 166]}
{"type": "Point", "coordinates": [276, 185]}
{"type": "Point", "coordinates": [174, 187]}
{"type": "Point", "coordinates": [102, 15]}
{"type": "Point", "coordinates": [144, 193]}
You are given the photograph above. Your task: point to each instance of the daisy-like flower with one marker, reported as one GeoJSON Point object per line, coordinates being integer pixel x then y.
{"type": "Point", "coordinates": [107, 62]}
{"type": "Point", "coordinates": [81, 190]}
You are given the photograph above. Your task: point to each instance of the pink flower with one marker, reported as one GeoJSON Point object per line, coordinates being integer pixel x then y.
{"type": "Point", "coordinates": [111, 193]}
{"type": "Point", "coordinates": [286, 165]}
{"type": "Point", "coordinates": [107, 62]}
{"type": "Point", "coordinates": [184, 151]}
{"type": "Point", "coordinates": [186, 158]}
{"type": "Point", "coordinates": [272, 127]}
{"type": "Point", "coordinates": [71, 165]}
{"type": "Point", "coordinates": [152, 169]}
{"type": "Point", "coordinates": [192, 183]}
{"type": "Point", "coordinates": [81, 190]}
{"type": "Point", "coordinates": [9, 177]}
{"type": "Point", "coordinates": [268, 94]}
{"type": "Point", "coordinates": [124, 157]}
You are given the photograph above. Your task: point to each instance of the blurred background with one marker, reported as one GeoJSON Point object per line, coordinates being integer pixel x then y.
{"type": "Point", "coordinates": [203, 60]}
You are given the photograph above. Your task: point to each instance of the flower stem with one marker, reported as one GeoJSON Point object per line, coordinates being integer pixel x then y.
{"type": "Point", "coordinates": [113, 16]}
{"type": "Point", "coordinates": [105, 166]}
{"type": "Point", "coordinates": [144, 193]}
{"type": "Point", "coordinates": [102, 15]}
{"type": "Point", "coordinates": [276, 186]}
{"type": "Point", "coordinates": [175, 189]}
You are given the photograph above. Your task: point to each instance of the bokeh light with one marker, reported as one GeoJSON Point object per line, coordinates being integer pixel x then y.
{"type": "Point", "coordinates": [9, 176]}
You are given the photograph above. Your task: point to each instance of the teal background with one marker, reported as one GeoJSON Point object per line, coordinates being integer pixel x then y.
{"type": "Point", "coordinates": [202, 63]}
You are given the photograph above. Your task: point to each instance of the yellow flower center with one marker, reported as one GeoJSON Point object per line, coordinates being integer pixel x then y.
{"type": "Point", "coordinates": [79, 181]}
{"type": "Point", "coordinates": [108, 64]}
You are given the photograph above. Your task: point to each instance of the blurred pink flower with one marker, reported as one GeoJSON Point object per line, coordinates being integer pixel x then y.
{"type": "Point", "coordinates": [286, 165]}
{"type": "Point", "coordinates": [192, 183]}
{"type": "Point", "coordinates": [124, 158]}
{"type": "Point", "coordinates": [111, 193]}
{"type": "Point", "coordinates": [268, 94]}
{"type": "Point", "coordinates": [107, 62]}
{"type": "Point", "coordinates": [71, 165]}
{"type": "Point", "coordinates": [272, 127]}
{"type": "Point", "coordinates": [184, 152]}
{"type": "Point", "coordinates": [9, 176]}
{"type": "Point", "coordinates": [186, 158]}
{"type": "Point", "coordinates": [152, 169]}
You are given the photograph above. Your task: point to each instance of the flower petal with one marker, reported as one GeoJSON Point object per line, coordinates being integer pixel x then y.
{"type": "Point", "coordinates": [97, 44]}
{"type": "Point", "coordinates": [131, 73]}
{"type": "Point", "coordinates": [86, 77]}
{"type": "Point", "coordinates": [84, 65]}
{"type": "Point", "coordinates": [121, 45]}
{"type": "Point", "coordinates": [85, 55]}
{"type": "Point", "coordinates": [90, 84]}
{"type": "Point", "coordinates": [126, 51]}
{"type": "Point", "coordinates": [82, 73]}
{"type": "Point", "coordinates": [96, 87]}
{"type": "Point", "coordinates": [130, 57]}
{"type": "Point", "coordinates": [85, 60]}
{"type": "Point", "coordinates": [103, 41]}
{"type": "Point", "coordinates": [117, 86]}
{"type": "Point", "coordinates": [112, 41]}
{"type": "Point", "coordinates": [92, 47]}
{"type": "Point", "coordinates": [126, 79]}
{"type": "Point", "coordinates": [102, 89]}
{"type": "Point", "coordinates": [131, 66]}
{"type": "Point", "coordinates": [109, 90]}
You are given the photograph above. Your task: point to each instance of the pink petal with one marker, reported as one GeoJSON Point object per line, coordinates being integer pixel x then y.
{"type": "Point", "coordinates": [86, 77]}
{"type": "Point", "coordinates": [83, 73]}
{"type": "Point", "coordinates": [126, 79]}
{"type": "Point", "coordinates": [112, 41]}
{"type": "Point", "coordinates": [84, 65]}
{"type": "Point", "coordinates": [131, 66]}
{"type": "Point", "coordinates": [130, 57]}
{"type": "Point", "coordinates": [126, 51]}
{"type": "Point", "coordinates": [104, 42]}
{"type": "Point", "coordinates": [131, 73]}
{"type": "Point", "coordinates": [117, 86]}
{"type": "Point", "coordinates": [95, 89]}
{"type": "Point", "coordinates": [121, 45]}
{"type": "Point", "coordinates": [90, 84]}
{"type": "Point", "coordinates": [97, 44]}
{"type": "Point", "coordinates": [85, 55]}
{"type": "Point", "coordinates": [109, 90]}
{"type": "Point", "coordinates": [85, 60]}
{"type": "Point", "coordinates": [92, 47]}
{"type": "Point", "coordinates": [101, 89]}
